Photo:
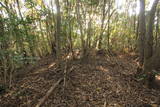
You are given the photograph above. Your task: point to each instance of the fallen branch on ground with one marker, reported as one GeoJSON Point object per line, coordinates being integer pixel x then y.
{"type": "Point", "coordinates": [51, 90]}
{"type": "Point", "coordinates": [49, 93]}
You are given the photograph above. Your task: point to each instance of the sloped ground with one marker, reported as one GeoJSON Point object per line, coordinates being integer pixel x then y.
{"type": "Point", "coordinates": [100, 81]}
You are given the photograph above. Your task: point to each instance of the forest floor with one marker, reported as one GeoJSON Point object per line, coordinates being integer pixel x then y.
{"type": "Point", "coordinates": [102, 81]}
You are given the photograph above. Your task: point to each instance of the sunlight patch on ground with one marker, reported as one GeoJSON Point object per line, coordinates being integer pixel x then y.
{"type": "Point", "coordinates": [133, 53]}
{"type": "Point", "coordinates": [52, 65]}
{"type": "Point", "coordinates": [120, 56]}
{"type": "Point", "coordinates": [40, 70]}
{"type": "Point", "coordinates": [158, 77]}
{"type": "Point", "coordinates": [102, 69]}
{"type": "Point", "coordinates": [67, 57]}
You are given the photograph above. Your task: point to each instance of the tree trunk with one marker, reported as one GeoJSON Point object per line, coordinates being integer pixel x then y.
{"type": "Point", "coordinates": [108, 27]}
{"type": "Point", "coordinates": [102, 24]}
{"type": "Point", "coordinates": [148, 51]}
{"type": "Point", "coordinates": [157, 28]}
{"type": "Point", "coordinates": [81, 28]}
{"type": "Point", "coordinates": [58, 29]}
{"type": "Point", "coordinates": [142, 31]}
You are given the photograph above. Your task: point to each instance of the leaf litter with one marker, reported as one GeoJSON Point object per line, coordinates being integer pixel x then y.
{"type": "Point", "coordinates": [101, 81]}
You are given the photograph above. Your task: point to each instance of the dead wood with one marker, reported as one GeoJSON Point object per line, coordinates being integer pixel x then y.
{"type": "Point", "coordinates": [54, 86]}
{"type": "Point", "coordinates": [49, 93]}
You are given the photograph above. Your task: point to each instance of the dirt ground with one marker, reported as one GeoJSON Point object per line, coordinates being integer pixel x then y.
{"type": "Point", "coordinates": [101, 81]}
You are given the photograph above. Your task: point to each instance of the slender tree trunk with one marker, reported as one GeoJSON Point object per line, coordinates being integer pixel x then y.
{"type": "Point", "coordinates": [81, 28]}
{"type": "Point", "coordinates": [102, 24]}
{"type": "Point", "coordinates": [44, 45]}
{"type": "Point", "coordinates": [108, 27]}
{"type": "Point", "coordinates": [149, 35]}
{"type": "Point", "coordinates": [58, 29]}
{"type": "Point", "coordinates": [68, 11]}
{"type": "Point", "coordinates": [137, 29]}
{"type": "Point", "coordinates": [142, 31]}
{"type": "Point", "coordinates": [157, 28]}
{"type": "Point", "coordinates": [148, 51]}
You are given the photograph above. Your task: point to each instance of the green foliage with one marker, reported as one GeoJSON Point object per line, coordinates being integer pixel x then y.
{"type": "Point", "coordinates": [22, 41]}
{"type": "Point", "coordinates": [30, 3]}
{"type": "Point", "coordinates": [26, 38]}
{"type": "Point", "coordinates": [92, 2]}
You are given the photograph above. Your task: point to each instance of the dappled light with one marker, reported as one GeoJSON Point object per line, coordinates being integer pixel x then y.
{"type": "Point", "coordinates": [79, 53]}
{"type": "Point", "coordinates": [40, 70]}
{"type": "Point", "coordinates": [52, 65]}
{"type": "Point", "coordinates": [100, 68]}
